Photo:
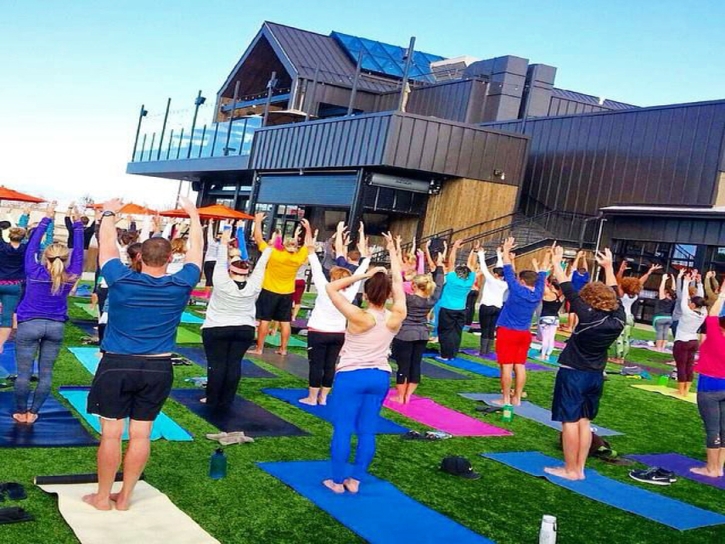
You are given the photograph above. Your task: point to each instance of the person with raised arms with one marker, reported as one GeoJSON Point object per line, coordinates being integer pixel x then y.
{"type": "Point", "coordinates": [135, 375]}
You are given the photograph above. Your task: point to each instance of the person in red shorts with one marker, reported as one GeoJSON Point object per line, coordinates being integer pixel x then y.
{"type": "Point", "coordinates": [513, 336]}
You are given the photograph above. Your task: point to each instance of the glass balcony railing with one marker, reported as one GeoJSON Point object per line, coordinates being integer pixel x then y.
{"type": "Point", "coordinates": [216, 140]}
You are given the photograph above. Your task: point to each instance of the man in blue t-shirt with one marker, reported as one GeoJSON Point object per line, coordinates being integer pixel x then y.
{"type": "Point", "coordinates": [135, 375]}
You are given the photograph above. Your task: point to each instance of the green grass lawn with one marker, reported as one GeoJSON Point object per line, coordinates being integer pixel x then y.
{"type": "Point", "coordinates": [504, 505]}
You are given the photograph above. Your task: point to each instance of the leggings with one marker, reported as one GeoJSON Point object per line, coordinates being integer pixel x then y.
{"type": "Point", "coordinates": [209, 273]}
{"type": "Point", "coordinates": [225, 348]}
{"type": "Point", "coordinates": [356, 404]}
{"type": "Point", "coordinates": [548, 326]}
{"type": "Point", "coordinates": [662, 326]}
{"type": "Point", "coordinates": [470, 307]}
{"type": "Point", "coordinates": [436, 319]}
{"type": "Point", "coordinates": [487, 316]}
{"type": "Point", "coordinates": [684, 353]}
{"type": "Point", "coordinates": [9, 297]}
{"type": "Point", "coordinates": [621, 346]}
{"type": "Point", "coordinates": [712, 411]}
{"type": "Point", "coordinates": [450, 330]}
{"type": "Point", "coordinates": [408, 355]}
{"type": "Point", "coordinates": [37, 335]}
{"type": "Point", "coordinates": [323, 349]}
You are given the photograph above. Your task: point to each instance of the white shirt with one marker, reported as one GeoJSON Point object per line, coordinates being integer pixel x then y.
{"type": "Point", "coordinates": [176, 264]}
{"type": "Point", "coordinates": [230, 306]}
{"type": "Point", "coordinates": [325, 317]}
{"type": "Point", "coordinates": [628, 302]}
{"type": "Point", "coordinates": [494, 290]}
{"type": "Point", "coordinates": [690, 320]}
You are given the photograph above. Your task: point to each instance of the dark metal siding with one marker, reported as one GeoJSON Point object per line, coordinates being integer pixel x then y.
{"type": "Point", "coordinates": [309, 189]}
{"type": "Point", "coordinates": [447, 101]}
{"type": "Point", "coordinates": [667, 155]}
{"type": "Point", "coordinates": [671, 230]}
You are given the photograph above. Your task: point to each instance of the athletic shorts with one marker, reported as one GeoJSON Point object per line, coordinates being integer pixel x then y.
{"type": "Point", "coordinates": [576, 395]}
{"type": "Point", "coordinates": [512, 346]}
{"type": "Point", "coordinates": [130, 386]}
{"type": "Point", "coordinates": [299, 291]}
{"type": "Point", "coordinates": [274, 307]}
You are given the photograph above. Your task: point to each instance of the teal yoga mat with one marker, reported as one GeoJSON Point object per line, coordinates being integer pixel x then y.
{"type": "Point", "coordinates": [164, 427]}
{"type": "Point", "coordinates": [274, 341]}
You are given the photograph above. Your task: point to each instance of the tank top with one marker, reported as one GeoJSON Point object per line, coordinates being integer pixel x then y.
{"type": "Point", "coordinates": [628, 302]}
{"type": "Point", "coordinates": [370, 349]}
{"type": "Point", "coordinates": [550, 308]}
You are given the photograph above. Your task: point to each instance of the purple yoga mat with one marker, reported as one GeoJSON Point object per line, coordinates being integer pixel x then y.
{"type": "Point", "coordinates": [534, 367]}
{"type": "Point", "coordinates": [680, 465]}
{"type": "Point", "coordinates": [432, 414]}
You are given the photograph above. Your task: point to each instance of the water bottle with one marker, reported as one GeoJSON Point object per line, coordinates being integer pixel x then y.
{"type": "Point", "coordinates": [547, 534]}
{"type": "Point", "coordinates": [217, 465]}
{"type": "Point", "coordinates": [507, 414]}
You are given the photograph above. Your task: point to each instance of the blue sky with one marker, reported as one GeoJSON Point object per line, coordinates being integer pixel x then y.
{"type": "Point", "coordinates": [75, 73]}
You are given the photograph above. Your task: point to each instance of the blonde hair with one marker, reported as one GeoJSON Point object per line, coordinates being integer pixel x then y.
{"type": "Point", "coordinates": [338, 272]}
{"type": "Point", "coordinates": [178, 245]}
{"type": "Point", "coordinates": [56, 255]}
{"type": "Point", "coordinates": [16, 234]}
{"type": "Point", "coordinates": [425, 284]}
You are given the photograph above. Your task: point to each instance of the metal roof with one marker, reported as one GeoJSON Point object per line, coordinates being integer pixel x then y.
{"type": "Point", "coordinates": [670, 211]}
{"type": "Point", "coordinates": [590, 99]}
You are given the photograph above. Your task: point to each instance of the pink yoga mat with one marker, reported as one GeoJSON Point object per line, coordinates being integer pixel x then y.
{"type": "Point", "coordinates": [432, 414]}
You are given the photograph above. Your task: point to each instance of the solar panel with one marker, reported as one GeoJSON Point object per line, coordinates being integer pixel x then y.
{"type": "Point", "coordinates": [386, 59]}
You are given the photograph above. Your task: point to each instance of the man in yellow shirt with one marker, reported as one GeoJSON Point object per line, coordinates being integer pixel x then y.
{"type": "Point", "coordinates": [275, 300]}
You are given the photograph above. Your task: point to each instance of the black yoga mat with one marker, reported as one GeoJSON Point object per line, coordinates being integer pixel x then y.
{"type": "Point", "coordinates": [88, 327]}
{"type": "Point", "coordinates": [55, 427]}
{"type": "Point", "coordinates": [430, 370]}
{"type": "Point", "coordinates": [249, 368]}
{"type": "Point", "coordinates": [70, 479]}
{"type": "Point", "coordinates": [294, 364]}
{"type": "Point", "coordinates": [242, 415]}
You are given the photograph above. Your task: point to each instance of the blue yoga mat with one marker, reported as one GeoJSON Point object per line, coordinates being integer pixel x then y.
{"type": "Point", "coordinates": [471, 366]}
{"type": "Point", "coordinates": [249, 368]}
{"type": "Point", "coordinates": [88, 357]}
{"type": "Point", "coordinates": [56, 426]}
{"type": "Point", "coordinates": [292, 396]}
{"type": "Point", "coordinates": [630, 498]}
{"type": "Point", "coordinates": [533, 412]}
{"type": "Point", "coordinates": [359, 512]}
{"type": "Point", "coordinates": [7, 361]}
{"type": "Point", "coordinates": [164, 426]}
{"type": "Point", "coordinates": [188, 317]}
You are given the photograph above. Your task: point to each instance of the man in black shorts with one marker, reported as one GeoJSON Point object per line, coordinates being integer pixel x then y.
{"type": "Point", "coordinates": [135, 375]}
{"type": "Point", "coordinates": [580, 380]}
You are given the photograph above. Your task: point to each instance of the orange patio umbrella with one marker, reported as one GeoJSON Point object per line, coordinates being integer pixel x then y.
{"type": "Point", "coordinates": [219, 211]}
{"type": "Point", "coordinates": [174, 213]}
{"type": "Point", "coordinates": [9, 194]}
{"type": "Point", "coordinates": [135, 209]}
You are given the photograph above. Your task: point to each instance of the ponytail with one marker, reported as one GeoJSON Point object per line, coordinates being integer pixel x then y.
{"type": "Point", "coordinates": [56, 256]}
{"type": "Point", "coordinates": [425, 284]}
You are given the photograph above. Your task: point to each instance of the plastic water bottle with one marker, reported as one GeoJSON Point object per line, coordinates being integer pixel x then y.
{"type": "Point", "coordinates": [217, 465]}
{"type": "Point", "coordinates": [547, 534]}
{"type": "Point", "coordinates": [507, 414]}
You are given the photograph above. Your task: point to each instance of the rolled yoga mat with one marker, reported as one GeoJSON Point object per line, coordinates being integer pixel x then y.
{"type": "Point", "coordinates": [530, 366]}
{"type": "Point", "coordinates": [163, 427]}
{"type": "Point", "coordinates": [630, 498]}
{"type": "Point", "coordinates": [242, 415]}
{"type": "Point", "coordinates": [56, 426]}
{"type": "Point", "coordinates": [669, 392]}
{"type": "Point", "coordinates": [249, 368]}
{"type": "Point", "coordinates": [360, 512]}
{"type": "Point", "coordinates": [151, 519]}
{"type": "Point", "coordinates": [533, 412]}
{"type": "Point", "coordinates": [430, 413]}
{"type": "Point", "coordinates": [292, 396]}
{"type": "Point", "coordinates": [680, 465]}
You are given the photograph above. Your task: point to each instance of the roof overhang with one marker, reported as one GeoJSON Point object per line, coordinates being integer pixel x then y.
{"type": "Point", "coordinates": [715, 212]}
{"type": "Point", "coordinates": [191, 169]}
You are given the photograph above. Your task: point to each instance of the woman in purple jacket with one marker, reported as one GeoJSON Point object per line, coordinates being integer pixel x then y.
{"type": "Point", "coordinates": [42, 313]}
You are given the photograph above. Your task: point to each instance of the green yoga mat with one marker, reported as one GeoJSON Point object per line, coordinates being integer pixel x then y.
{"type": "Point", "coordinates": [185, 336]}
{"type": "Point", "coordinates": [274, 341]}
{"type": "Point", "coordinates": [86, 306]}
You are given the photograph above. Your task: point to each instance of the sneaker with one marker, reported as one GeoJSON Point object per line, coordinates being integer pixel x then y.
{"type": "Point", "coordinates": [653, 476]}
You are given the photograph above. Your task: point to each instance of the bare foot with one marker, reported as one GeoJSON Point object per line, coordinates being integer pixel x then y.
{"type": "Point", "coordinates": [96, 502]}
{"type": "Point", "coordinates": [561, 472]}
{"type": "Point", "coordinates": [335, 488]}
{"type": "Point", "coordinates": [122, 503]}
{"type": "Point", "coordinates": [308, 401]}
{"type": "Point", "coordinates": [515, 401]}
{"type": "Point", "coordinates": [322, 401]}
{"type": "Point", "coordinates": [352, 485]}
{"type": "Point", "coordinates": [499, 402]}
{"type": "Point", "coordinates": [406, 399]}
{"type": "Point", "coordinates": [31, 418]}
{"type": "Point", "coordinates": [203, 400]}
{"type": "Point", "coordinates": [281, 352]}
{"type": "Point", "coordinates": [255, 351]}
{"type": "Point", "coordinates": [20, 418]}
{"type": "Point", "coordinates": [704, 471]}
{"type": "Point", "coordinates": [397, 399]}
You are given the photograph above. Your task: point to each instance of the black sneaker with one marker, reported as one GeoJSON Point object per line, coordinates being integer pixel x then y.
{"type": "Point", "coordinates": [653, 476]}
{"type": "Point", "coordinates": [667, 474]}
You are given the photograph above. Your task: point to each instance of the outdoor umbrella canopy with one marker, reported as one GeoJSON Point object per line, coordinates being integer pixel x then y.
{"type": "Point", "coordinates": [135, 209]}
{"type": "Point", "coordinates": [9, 194]}
{"type": "Point", "coordinates": [174, 213]}
{"type": "Point", "coordinates": [219, 211]}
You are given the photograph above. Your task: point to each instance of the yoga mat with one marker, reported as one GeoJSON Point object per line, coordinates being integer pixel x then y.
{"type": "Point", "coordinates": [88, 357]}
{"type": "Point", "coordinates": [84, 290]}
{"type": "Point", "coordinates": [471, 366]}
{"type": "Point", "coordinates": [152, 518]}
{"type": "Point", "coordinates": [89, 328]}
{"type": "Point", "coordinates": [533, 412]}
{"type": "Point", "coordinates": [533, 367]}
{"type": "Point", "coordinates": [670, 512]}
{"type": "Point", "coordinates": [274, 341]}
{"type": "Point", "coordinates": [188, 317]}
{"type": "Point", "coordinates": [55, 427]}
{"type": "Point", "coordinates": [293, 364]}
{"type": "Point", "coordinates": [242, 415]}
{"type": "Point", "coordinates": [667, 391]}
{"type": "Point", "coordinates": [163, 427]}
{"type": "Point", "coordinates": [357, 512]}
{"type": "Point", "coordinates": [7, 360]}
{"type": "Point", "coordinates": [86, 306]}
{"type": "Point", "coordinates": [292, 396]}
{"type": "Point", "coordinates": [185, 336]}
{"type": "Point", "coordinates": [680, 465]}
{"type": "Point", "coordinates": [299, 324]}
{"type": "Point", "coordinates": [430, 413]}
{"type": "Point", "coordinates": [557, 343]}
{"type": "Point", "coordinates": [249, 368]}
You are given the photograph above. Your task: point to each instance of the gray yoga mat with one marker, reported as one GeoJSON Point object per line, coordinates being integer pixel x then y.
{"type": "Point", "coordinates": [291, 363]}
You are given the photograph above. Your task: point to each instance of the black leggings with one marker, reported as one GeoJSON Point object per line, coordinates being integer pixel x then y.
{"type": "Point", "coordinates": [471, 306]}
{"type": "Point", "coordinates": [450, 330]}
{"type": "Point", "coordinates": [209, 272]}
{"type": "Point", "coordinates": [487, 316]}
{"type": "Point", "coordinates": [323, 348]}
{"type": "Point", "coordinates": [225, 348]}
{"type": "Point", "coordinates": [408, 355]}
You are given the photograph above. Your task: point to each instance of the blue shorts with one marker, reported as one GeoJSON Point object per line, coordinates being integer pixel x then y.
{"type": "Point", "coordinates": [576, 395]}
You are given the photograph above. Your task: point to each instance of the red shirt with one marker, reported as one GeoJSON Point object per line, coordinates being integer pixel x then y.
{"type": "Point", "coordinates": [712, 351]}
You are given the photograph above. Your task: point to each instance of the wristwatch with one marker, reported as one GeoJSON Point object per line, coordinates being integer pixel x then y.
{"type": "Point", "coordinates": [108, 213]}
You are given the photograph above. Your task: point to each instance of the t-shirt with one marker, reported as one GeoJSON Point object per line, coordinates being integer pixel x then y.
{"type": "Point", "coordinates": [456, 291]}
{"type": "Point", "coordinates": [712, 350]}
{"type": "Point", "coordinates": [143, 311]}
{"type": "Point", "coordinates": [344, 263]}
{"type": "Point", "coordinates": [282, 269]}
{"type": "Point", "coordinates": [521, 303]}
{"type": "Point", "coordinates": [579, 280]}
{"type": "Point", "coordinates": [594, 334]}
{"type": "Point", "coordinates": [664, 307]}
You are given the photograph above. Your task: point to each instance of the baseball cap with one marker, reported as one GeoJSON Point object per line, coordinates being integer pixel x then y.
{"type": "Point", "coordinates": [459, 466]}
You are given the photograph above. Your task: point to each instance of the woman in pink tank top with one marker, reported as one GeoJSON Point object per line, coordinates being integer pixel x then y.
{"type": "Point", "coordinates": [363, 374]}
